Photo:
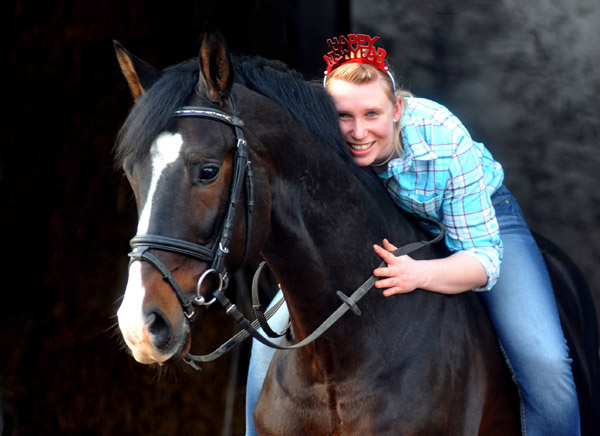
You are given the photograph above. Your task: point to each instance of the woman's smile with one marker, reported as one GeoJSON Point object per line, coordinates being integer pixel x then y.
{"type": "Point", "coordinates": [361, 149]}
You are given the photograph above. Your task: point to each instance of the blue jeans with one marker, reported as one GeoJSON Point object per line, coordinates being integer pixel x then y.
{"type": "Point", "coordinates": [260, 360]}
{"type": "Point", "coordinates": [523, 310]}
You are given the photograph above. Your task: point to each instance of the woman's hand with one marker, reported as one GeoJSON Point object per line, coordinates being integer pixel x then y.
{"type": "Point", "coordinates": [402, 273]}
{"type": "Point", "coordinates": [454, 274]}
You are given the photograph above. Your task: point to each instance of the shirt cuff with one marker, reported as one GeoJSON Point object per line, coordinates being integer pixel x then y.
{"type": "Point", "coordinates": [490, 260]}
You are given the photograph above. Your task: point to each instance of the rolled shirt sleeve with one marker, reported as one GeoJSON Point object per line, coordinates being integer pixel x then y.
{"type": "Point", "coordinates": [468, 213]}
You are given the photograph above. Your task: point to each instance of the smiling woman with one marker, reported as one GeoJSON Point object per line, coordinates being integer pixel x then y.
{"type": "Point", "coordinates": [367, 118]}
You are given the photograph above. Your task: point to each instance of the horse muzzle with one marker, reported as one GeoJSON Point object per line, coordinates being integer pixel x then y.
{"type": "Point", "coordinates": [153, 334]}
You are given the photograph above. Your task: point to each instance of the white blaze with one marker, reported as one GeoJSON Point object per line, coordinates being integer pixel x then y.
{"type": "Point", "coordinates": [164, 151]}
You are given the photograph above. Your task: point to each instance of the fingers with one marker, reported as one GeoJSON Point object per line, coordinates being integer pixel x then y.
{"type": "Point", "coordinates": [390, 289]}
{"type": "Point", "coordinates": [382, 272]}
{"type": "Point", "coordinates": [385, 283]}
{"type": "Point", "coordinates": [385, 250]}
{"type": "Point", "coordinates": [393, 281]}
{"type": "Point", "coordinates": [388, 258]}
{"type": "Point", "coordinates": [385, 255]}
{"type": "Point", "coordinates": [388, 245]}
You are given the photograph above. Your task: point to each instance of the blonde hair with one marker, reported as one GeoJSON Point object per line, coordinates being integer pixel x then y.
{"type": "Point", "coordinates": [363, 73]}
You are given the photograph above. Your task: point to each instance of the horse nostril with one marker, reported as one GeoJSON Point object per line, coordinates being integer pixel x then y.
{"type": "Point", "coordinates": [159, 327]}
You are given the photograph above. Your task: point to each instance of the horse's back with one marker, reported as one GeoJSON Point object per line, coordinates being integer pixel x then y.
{"type": "Point", "coordinates": [579, 322]}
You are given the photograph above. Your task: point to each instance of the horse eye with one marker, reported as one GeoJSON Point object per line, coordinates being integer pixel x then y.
{"type": "Point", "coordinates": [208, 173]}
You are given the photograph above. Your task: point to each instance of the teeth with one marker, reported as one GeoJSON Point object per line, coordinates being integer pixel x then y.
{"type": "Point", "coordinates": [360, 147]}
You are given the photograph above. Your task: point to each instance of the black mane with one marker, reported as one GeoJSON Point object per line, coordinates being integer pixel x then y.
{"type": "Point", "coordinates": [307, 101]}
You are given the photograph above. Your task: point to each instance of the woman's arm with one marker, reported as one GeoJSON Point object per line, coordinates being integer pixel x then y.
{"type": "Point", "coordinates": [454, 274]}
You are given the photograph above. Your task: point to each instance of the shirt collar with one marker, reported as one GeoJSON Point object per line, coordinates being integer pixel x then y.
{"type": "Point", "coordinates": [415, 148]}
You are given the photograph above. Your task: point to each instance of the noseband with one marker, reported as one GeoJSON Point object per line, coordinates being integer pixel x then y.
{"type": "Point", "coordinates": [215, 255]}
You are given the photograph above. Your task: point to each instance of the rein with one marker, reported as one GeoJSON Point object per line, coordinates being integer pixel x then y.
{"type": "Point", "coordinates": [250, 328]}
{"type": "Point", "coordinates": [216, 255]}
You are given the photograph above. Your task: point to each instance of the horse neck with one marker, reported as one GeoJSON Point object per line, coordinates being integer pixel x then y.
{"type": "Point", "coordinates": [324, 223]}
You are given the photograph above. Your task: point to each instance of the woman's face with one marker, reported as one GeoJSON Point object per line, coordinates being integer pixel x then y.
{"type": "Point", "coordinates": [366, 117]}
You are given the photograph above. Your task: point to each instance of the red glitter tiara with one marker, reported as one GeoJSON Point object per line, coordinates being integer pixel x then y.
{"type": "Point", "coordinates": [355, 48]}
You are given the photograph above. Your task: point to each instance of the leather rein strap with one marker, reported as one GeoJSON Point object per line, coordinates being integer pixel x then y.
{"type": "Point", "coordinates": [348, 303]}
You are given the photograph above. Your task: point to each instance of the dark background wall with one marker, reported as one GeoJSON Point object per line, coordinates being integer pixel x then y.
{"type": "Point", "coordinates": [66, 215]}
{"type": "Point", "coordinates": [524, 80]}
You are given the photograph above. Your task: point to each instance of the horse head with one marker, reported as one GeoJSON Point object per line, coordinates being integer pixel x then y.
{"type": "Point", "coordinates": [184, 154]}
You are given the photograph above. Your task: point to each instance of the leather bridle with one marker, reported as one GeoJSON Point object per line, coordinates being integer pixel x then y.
{"type": "Point", "coordinates": [215, 255]}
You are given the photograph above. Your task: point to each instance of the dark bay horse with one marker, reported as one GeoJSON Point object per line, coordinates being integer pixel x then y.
{"type": "Point", "coordinates": [417, 363]}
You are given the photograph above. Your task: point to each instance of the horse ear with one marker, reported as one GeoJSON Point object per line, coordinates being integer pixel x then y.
{"type": "Point", "coordinates": [216, 68]}
{"type": "Point", "coordinates": [139, 74]}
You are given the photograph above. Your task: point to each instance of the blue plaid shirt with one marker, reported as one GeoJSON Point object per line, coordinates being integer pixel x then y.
{"type": "Point", "coordinates": [443, 174]}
